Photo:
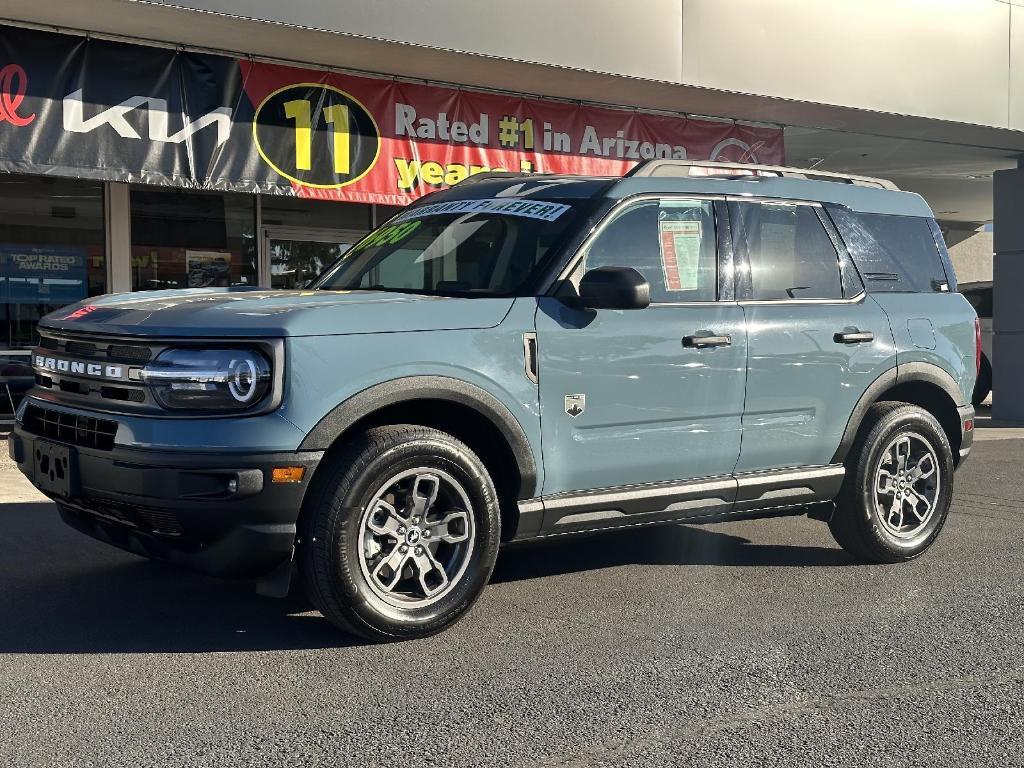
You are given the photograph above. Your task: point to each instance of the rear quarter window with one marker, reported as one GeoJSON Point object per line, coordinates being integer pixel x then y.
{"type": "Point", "coordinates": [893, 253]}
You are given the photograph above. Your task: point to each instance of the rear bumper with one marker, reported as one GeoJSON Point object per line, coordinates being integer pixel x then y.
{"type": "Point", "coordinates": [966, 413]}
{"type": "Point", "coordinates": [218, 513]}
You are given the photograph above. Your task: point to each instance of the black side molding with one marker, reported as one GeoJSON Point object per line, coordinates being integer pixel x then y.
{"type": "Point", "coordinates": [884, 382]}
{"type": "Point", "coordinates": [903, 374]}
{"type": "Point", "coordinates": [752, 494]}
{"type": "Point", "coordinates": [364, 403]}
{"type": "Point", "coordinates": [931, 374]}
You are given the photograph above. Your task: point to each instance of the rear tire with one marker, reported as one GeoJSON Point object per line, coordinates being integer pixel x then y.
{"type": "Point", "coordinates": [983, 386]}
{"type": "Point", "coordinates": [401, 533]}
{"type": "Point", "coordinates": [899, 483]}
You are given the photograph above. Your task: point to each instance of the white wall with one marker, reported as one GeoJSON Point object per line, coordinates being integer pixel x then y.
{"type": "Point", "coordinates": [640, 38]}
{"type": "Point", "coordinates": [947, 59]}
{"type": "Point", "coordinates": [959, 60]}
{"type": "Point", "coordinates": [1016, 55]}
{"type": "Point", "coordinates": [972, 257]}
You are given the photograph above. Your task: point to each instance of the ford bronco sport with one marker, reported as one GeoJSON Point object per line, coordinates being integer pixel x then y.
{"type": "Point", "coordinates": [517, 358]}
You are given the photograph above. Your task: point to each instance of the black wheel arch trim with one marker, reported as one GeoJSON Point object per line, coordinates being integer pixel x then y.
{"type": "Point", "coordinates": [903, 373]}
{"type": "Point", "coordinates": [451, 390]}
{"type": "Point", "coordinates": [931, 374]}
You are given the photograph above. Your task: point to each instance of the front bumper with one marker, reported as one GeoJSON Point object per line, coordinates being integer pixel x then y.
{"type": "Point", "coordinates": [218, 513]}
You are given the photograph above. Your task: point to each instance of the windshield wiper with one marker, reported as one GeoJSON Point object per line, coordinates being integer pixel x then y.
{"type": "Point", "coordinates": [378, 288]}
{"type": "Point", "coordinates": [408, 291]}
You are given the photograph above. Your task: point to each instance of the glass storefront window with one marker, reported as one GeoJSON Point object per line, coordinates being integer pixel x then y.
{"type": "Point", "coordinates": [303, 237]}
{"type": "Point", "coordinates": [298, 257]}
{"type": "Point", "coordinates": [186, 239]}
{"type": "Point", "coordinates": [52, 250]}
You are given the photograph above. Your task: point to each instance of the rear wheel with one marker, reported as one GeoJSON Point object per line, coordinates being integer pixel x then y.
{"type": "Point", "coordinates": [898, 486]}
{"type": "Point", "coordinates": [401, 533]}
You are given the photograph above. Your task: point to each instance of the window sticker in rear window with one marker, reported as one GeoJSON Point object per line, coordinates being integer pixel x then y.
{"type": "Point", "coordinates": [507, 206]}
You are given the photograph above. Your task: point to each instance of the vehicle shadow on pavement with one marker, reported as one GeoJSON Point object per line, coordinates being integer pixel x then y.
{"type": "Point", "coordinates": [61, 592]}
{"type": "Point", "coordinates": [656, 545]}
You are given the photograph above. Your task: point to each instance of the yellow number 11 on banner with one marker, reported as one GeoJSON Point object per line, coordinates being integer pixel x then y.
{"type": "Point", "coordinates": [336, 115]}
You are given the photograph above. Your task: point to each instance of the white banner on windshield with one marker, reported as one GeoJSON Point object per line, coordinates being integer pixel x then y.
{"type": "Point", "coordinates": [530, 209]}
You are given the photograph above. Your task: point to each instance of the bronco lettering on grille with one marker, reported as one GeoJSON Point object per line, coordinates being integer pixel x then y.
{"type": "Point", "coordinates": [78, 367]}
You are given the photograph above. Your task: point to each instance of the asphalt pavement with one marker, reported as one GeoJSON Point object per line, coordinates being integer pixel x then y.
{"type": "Point", "coordinates": [749, 643]}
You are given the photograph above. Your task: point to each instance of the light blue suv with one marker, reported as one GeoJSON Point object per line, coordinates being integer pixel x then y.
{"type": "Point", "coordinates": [522, 357]}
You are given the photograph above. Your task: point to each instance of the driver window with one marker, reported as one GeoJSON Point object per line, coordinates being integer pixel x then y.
{"type": "Point", "coordinates": [671, 242]}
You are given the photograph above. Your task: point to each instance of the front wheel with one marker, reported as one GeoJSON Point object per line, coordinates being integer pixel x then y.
{"type": "Point", "coordinates": [898, 486]}
{"type": "Point", "coordinates": [401, 533]}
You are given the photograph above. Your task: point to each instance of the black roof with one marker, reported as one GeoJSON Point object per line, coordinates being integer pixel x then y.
{"type": "Point", "coordinates": [541, 186]}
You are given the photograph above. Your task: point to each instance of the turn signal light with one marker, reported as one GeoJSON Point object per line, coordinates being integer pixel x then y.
{"type": "Point", "coordinates": [288, 474]}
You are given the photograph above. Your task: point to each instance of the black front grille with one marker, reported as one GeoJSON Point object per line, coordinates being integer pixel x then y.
{"type": "Point", "coordinates": [131, 352]}
{"type": "Point", "coordinates": [81, 348]}
{"type": "Point", "coordinates": [113, 351]}
{"type": "Point", "coordinates": [74, 386]}
{"type": "Point", "coordinates": [83, 431]}
{"type": "Point", "coordinates": [129, 394]}
{"type": "Point", "coordinates": [161, 522]}
{"type": "Point", "coordinates": [77, 387]}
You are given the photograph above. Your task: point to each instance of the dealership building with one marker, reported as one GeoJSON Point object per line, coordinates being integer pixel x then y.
{"type": "Point", "coordinates": [147, 144]}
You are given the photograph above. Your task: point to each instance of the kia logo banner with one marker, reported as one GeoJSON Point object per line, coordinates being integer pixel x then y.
{"type": "Point", "coordinates": [89, 108]}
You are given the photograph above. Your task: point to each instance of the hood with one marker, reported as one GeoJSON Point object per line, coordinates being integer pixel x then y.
{"type": "Point", "coordinates": [206, 312]}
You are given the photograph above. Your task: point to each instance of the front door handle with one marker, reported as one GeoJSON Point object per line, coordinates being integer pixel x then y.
{"type": "Point", "coordinates": [853, 337]}
{"type": "Point", "coordinates": [699, 340]}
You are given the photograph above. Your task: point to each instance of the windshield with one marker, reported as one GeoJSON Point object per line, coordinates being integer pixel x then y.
{"type": "Point", "coordinates": [488, 247]}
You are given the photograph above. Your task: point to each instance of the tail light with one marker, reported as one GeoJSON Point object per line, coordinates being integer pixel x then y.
{"type": "Point", "coordinates": [977, 345]}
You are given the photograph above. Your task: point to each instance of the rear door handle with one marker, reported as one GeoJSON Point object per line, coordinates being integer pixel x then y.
{"type": "Point", "coordinates": [699, 340]}
{"type": "Point", "coordinates": [853, 337]}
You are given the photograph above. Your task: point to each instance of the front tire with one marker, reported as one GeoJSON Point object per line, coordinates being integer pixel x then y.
{"type": "Point", "coordinates": [898, 486]}
{"type": "Point", "coordinates": [401, 533]}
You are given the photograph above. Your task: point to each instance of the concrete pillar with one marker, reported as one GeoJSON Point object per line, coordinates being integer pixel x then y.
{"type": "Point", "coordinates": [117, 212]}
{"type": "Point", "coordinates": [1008, 310]}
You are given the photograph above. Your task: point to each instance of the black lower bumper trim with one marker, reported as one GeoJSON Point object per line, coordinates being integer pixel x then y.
{"type": "Point", "coordinates": [243, 551]}
{"type": "Point", "coordinates": [966, 414]}
{"type": "Point", "coordinates": [219, 513]}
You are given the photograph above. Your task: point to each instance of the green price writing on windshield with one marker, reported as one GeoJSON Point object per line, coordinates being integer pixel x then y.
{"type": "Point", "coordinates": [391, 234]}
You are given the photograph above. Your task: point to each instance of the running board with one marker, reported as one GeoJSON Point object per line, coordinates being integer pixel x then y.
{"type": "Point", "coordinates": [710, 499]}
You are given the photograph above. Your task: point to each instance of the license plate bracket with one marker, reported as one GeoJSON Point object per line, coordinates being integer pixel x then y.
{"type": "Point", "coordinates": [55, 468]}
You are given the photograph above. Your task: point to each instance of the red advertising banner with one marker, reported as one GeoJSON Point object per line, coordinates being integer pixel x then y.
{"type": "Point", "coordinates": [101, 109]}
{"type": "Point", "coordinates": [405, 140]}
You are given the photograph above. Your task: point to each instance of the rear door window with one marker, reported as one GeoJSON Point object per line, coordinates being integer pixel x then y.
{"type": "Point", "coordinates": [893, 253]}
{"type": "Point", "coordinates": [791, 255]}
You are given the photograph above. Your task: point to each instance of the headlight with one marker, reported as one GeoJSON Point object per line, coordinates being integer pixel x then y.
{"type": "Point", "coordinates": [208, 379]}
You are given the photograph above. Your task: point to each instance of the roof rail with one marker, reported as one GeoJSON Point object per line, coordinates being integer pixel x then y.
{"type": "Point", "coordinates": [711, 169]}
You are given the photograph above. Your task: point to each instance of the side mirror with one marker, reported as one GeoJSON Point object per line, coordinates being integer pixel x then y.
{"type": "Point", "coordinates": [614, 288]}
